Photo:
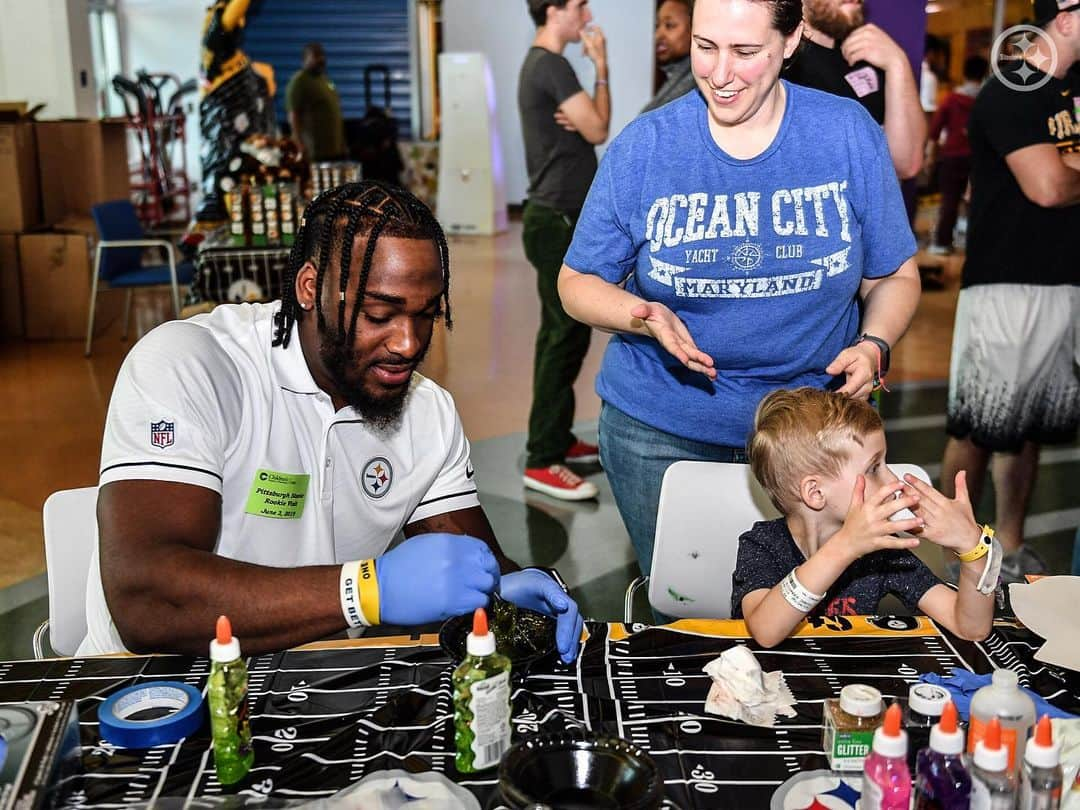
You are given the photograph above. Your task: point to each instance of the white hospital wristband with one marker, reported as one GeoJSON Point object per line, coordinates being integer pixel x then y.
{"type": "Point", "coordinates": [796, 595]}
{"type": "Point", "coordinates": [349, 584]}
{"type": "Point", "coordinates": [988, 580]}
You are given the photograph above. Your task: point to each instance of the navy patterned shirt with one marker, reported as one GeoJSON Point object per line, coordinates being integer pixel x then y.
{"type": "Point", "coordinates": [767, 553]}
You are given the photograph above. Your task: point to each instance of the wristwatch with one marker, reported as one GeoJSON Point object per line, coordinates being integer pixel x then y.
{"type": "Point", "coordinates": [882, 345]}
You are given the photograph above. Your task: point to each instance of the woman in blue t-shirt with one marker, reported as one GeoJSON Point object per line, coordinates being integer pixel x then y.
{"type": "Point", "coordinates": [731, 240]}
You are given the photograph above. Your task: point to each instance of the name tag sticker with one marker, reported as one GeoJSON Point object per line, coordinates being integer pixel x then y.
{"type": "Point", "coordinates": [277, 495]}
{"type": "Point", "coordinates": [863, 81]}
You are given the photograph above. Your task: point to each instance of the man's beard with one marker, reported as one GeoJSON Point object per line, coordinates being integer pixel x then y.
{"type": "Point", "coordinates": [383, 414]}
{"type": "Point", "coordinates": [831, 21]}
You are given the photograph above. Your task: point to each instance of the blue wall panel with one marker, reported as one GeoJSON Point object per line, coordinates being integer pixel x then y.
{"type": "Point", "coordinates": [354, 33]}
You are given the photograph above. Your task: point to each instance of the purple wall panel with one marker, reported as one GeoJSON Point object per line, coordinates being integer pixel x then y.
{"type": "Point", "coordinates": [905, 20]}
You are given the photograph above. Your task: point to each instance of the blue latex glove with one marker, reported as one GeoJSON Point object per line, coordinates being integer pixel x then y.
{"type": "Point", "coordinates": [962, 685]}
{"type": "Point", "coordinates": [537, 591]}
{"type": "Point", "coordinates": [431, 577]}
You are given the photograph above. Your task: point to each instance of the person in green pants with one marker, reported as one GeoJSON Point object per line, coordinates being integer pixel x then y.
{"type": "Point", "coordinates": [561, 162]}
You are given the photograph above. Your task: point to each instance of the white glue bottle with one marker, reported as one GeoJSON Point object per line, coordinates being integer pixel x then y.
{"type": "Point", "coordinates": [1042, 777]}
{"type": "Point", "coordinates": [1002, 698]}
{"type": "Point", "coordinates": [993, 784]}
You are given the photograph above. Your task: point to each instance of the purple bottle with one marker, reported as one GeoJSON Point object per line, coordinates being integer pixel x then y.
{"type": "Point", "coordinates": [941, 780]}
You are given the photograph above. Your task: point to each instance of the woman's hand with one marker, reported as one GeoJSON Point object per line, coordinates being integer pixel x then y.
{"type": "Point", "coordinates": [858, 363]}
{"type": "Point", "coordinates": [671, 333]}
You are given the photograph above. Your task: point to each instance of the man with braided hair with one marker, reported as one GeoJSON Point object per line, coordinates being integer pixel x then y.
{"type": "Point", "coordinates": [259, 459]}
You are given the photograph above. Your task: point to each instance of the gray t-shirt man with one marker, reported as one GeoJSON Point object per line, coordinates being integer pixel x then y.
{"type": "Point", "coordinates": [561, 164]}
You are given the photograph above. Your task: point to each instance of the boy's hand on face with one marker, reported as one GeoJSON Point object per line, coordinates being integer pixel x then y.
{"type": "Point", "coordinates": [949, 523]}
{"type": "Point", "coordinates": [867, 527]}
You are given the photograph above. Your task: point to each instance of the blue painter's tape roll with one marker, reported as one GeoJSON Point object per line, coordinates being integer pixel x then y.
{"type": "Point", "coordinates": [185, 718]}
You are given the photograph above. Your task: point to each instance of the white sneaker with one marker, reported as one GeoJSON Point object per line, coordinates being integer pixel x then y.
{"type": "Point", "coordinates": [559, 481]}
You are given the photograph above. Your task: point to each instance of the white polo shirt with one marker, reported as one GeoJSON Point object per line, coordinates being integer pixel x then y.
{"type": "Point", "coordinates": [208, 401]}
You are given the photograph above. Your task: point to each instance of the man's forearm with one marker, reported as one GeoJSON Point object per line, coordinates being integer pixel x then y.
{"type": "Point", "coordinates": [271, 608]}
{"type": "Point", "coordinates": [602, 96]}
{"type": "Point", "coordinates": [1070, 181]}
{"type": "Point", "coordinates": [905, 121]}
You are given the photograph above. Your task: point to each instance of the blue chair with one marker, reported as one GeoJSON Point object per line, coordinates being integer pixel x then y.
{"type": "Point", "coordinates": [118, 260]}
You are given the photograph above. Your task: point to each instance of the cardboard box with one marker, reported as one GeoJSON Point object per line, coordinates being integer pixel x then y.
{"type": "Point", "coordinates": [20, 202]}
{"type": "Point", "coordinates": [55, 275]}
{"type": "Point", "coordinates": [82, 163]}
{"type": "Point", "coordinates": [11, 313]}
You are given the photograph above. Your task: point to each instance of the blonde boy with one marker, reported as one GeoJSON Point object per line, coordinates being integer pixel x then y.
{"type": "Point", "coordinates": [821, 457]}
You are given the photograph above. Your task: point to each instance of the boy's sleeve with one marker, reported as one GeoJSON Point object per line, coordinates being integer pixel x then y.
{"type": "Point", "coordinates": [908, 578]}
{"type": "Point", "coordinates": [756, 567]}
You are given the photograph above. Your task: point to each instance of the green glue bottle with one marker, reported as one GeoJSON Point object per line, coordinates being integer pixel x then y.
{"type": "Point", "coordinates": [481, 685]}
{"type": "Point", "coordinates": [233, 754]}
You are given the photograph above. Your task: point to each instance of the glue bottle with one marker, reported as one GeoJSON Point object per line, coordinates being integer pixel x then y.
{"type": "Point", "coordinates": [941, 780]}
{"type": "Point", "coordinates": [227, 694]}
{"type": "Point", "coordinates": [1042, 778]}
{"type": "Point", "coordinates": [1004, 699]}
{"type": "Point", "coordinates": [887, 778]}
{"type": "Point", "coordinates": [481, 685]}
{"type": "Point", "coordinates": [993, 784]}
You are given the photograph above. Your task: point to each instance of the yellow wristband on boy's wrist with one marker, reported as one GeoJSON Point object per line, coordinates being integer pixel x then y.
{"type": "Point", "coordinates": [982, 548]}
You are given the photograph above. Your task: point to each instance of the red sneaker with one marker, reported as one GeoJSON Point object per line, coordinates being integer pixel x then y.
{"type": "Point", "coordinates": [583, 453]}
{"type": "Point", "coordinates": [561, 482]}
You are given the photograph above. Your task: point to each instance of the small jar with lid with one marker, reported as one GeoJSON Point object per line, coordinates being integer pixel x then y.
{"type": "Point", "coordinates": [849, 726]}
{"type": "Point", "coordinates": [926, 702]}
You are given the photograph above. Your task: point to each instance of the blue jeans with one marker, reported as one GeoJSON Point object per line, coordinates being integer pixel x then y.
{"type": "Point", "coordinates": [635, 458]}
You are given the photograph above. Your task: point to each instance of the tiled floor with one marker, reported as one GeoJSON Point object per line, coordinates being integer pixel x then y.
{"type": "Point", "coordinates": [56, 400]}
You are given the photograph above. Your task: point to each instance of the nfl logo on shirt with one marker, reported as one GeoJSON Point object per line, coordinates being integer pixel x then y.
{"type": "Point", "coordinates": [162, 433]}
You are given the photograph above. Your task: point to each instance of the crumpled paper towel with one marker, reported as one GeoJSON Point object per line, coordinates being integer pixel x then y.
{"type": "Point", "coordinates": [741, 691]}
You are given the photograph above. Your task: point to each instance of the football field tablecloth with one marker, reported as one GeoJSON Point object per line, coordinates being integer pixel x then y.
{"type": "Point", "coordinates": [325, 715]}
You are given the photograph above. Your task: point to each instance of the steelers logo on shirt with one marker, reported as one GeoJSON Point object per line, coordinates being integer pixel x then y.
{"type": "Point", "coordinates": [377, 477]}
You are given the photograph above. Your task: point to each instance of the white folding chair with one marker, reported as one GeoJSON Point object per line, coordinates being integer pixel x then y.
{"type": "Point", "coordinates": [704, 507]}
{"type": "Point", "coordinates": [70, 524]}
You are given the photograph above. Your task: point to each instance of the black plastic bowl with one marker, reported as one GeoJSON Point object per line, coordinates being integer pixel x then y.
{"type": "Point", "coordinates": [523, 650]}
{"type": "Point", "coordinates": [579, 770]}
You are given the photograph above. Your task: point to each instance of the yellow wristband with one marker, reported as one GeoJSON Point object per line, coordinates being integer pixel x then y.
{"type": "Point", "coordinates": [369, 591]}
{"type": "Point", "coordinates": [981, 549]}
